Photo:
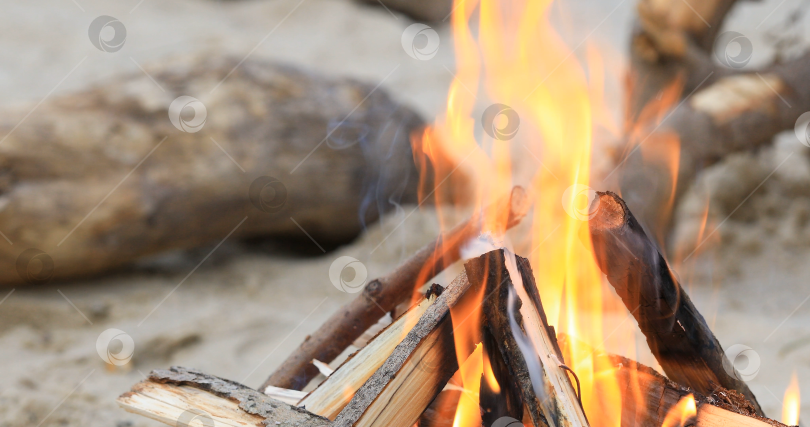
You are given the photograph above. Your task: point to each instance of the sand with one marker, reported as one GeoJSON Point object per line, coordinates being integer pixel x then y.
{"type": "Point", "coordinates": [247, 306]}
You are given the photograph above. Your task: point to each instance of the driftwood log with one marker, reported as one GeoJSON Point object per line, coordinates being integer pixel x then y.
{"type": "Point", "coordinates": [515, 320]}
{"type": "Point", "coordinates": [97, 179]}
{"type": "Point", "coordinates": [678, 92]}
{"type": "Point", "coordinates": [414, 374]}
{"type": "Point", "coordinates": [677, 334]}
{"type": "Point", "coordinates": [383, 295]}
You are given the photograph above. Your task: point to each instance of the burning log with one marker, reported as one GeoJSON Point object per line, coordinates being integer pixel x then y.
{"type": "Point", "coordinates": [179, 395]}
{"type": "Point", "coordinates": [515, 318]}
{"type": "Point", "coordinates": [381, 296]}
{"type": "Point", "coordinates": [647, 396]}
{"type": "Point", "coordinates": [677, 334]}
{"type": "Point", "coordinates": [414, 374]}
{"type": "Point", "coordinates": [108, 168]}
{"type": "Point", "coordinates": [335, 392]}
{"type": "Point", "coordinates": [497, 396]}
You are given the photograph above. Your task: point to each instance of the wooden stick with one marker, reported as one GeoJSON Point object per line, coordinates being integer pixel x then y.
{"type": "Point", "coordinates": [676, 333]}
{"type": "Point", "coordinates": [381, 296]}
{"type": "Point", "coordinates": [417, 370]}
{"type": "Point", "coordinates": [336, 391]}
{"type": "Point", "coordinates": [178, 395]}
{"type": "Point", "coordinates": [515, 317]}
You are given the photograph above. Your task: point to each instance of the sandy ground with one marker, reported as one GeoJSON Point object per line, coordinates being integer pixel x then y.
{"type": "Point", "coordinates": [247, 307]}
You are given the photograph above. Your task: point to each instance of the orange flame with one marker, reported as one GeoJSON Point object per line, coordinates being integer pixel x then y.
{"type": "Point", "coordinates": [790, 407]}
{"type": "Point", "coordinates": [523, 65]}
{"type": "Point", "coordinates": [467, 413]}
{"type": "Point", "coordinates": [682, 413]}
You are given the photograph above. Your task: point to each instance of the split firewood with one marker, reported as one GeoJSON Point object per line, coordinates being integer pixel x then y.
{"type": "Point", "coordinates": [269, 149]}
{"type": "Point", "coordinates": [335, 392]}
{"type": "Point", "coordinates": [647, 396]}
{"type": "Point", "coordinates": [514, 316]}
{"type": "Point", "coordinates": [442, 411]}
{"type": "Point", "coordinates": [382, 295]}
{"type": "Point", "coordinates": [678, 93]}
{"type": "Point", "coordinates": [414, 374]}
{"type": "Point", "coordinates": [497, 397]}
{"type": "Point", "coordinates": [677, 334]}
{"type": "Point", "coordinates": [179, 395]}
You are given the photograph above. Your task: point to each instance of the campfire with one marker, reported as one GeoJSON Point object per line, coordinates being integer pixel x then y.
{"type": "Point", "coordinates": [517, 338]}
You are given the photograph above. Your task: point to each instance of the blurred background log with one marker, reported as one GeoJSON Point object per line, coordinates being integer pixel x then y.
{"type": "Point", "coordinates": [100, 178]}
{"type": "Point", "coordinates": [679, 94]}
{"type": "Point", "coordinates": [420, 10]}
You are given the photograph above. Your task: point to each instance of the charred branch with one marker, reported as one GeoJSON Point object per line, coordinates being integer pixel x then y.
{"type": "Point", "coordinates": [677, 334]}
